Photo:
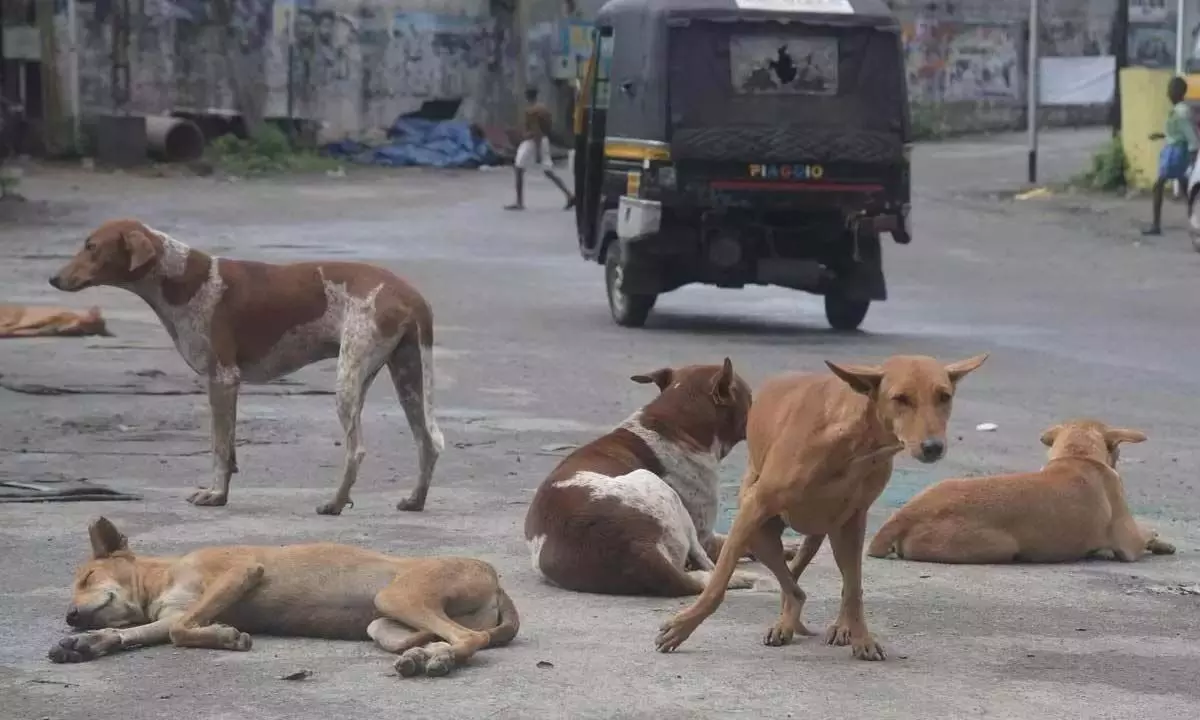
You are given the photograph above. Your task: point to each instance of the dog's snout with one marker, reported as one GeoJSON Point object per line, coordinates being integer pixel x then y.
{"type": "Point", "coordinates": [56, 282]}
{"type": "Point", "coordinates": [74, 618]}
{"type": "Point", "coordinates": [933, 449]}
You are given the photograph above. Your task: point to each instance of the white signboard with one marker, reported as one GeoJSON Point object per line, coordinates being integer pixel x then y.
{"type": "Point", "coordinates": [832, 7]}
{"type": "Point", "coordinates": [1150, 11]}
{"type": "Point", "coordinates": [1077, 80]}
{"type": "Point", "coordinates": [22, 42]}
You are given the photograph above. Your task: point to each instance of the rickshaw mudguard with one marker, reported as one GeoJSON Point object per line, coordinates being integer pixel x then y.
{"type": "Point", "coordinates": [864, 280]}
{"type": "Point", "coordinates": [608, 234]}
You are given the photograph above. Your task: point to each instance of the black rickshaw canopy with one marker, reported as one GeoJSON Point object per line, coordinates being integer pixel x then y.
{"type": "Point", "coordinates": [669, 79]}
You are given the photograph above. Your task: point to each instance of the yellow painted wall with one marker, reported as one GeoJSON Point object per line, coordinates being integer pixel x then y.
{"type": "Point", "coordinates": [1144, 108]}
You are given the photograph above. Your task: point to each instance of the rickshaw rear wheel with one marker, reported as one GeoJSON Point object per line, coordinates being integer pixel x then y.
{"type": "Point", "coordinates": [628, 310]}
{"type": "Point", "coordinates": [845, 313]}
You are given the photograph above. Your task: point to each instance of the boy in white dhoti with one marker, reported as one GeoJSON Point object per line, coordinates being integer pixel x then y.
{"type": "Point", "coordinates": [534, 151]}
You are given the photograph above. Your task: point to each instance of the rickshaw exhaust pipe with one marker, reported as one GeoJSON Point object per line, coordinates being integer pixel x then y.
{"type": "Point", "coordinates": [808, 275]}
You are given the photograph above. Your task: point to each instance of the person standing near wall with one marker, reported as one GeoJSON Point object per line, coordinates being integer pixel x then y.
{"type": "Point", "coordinates": [534, 151]}
{"type": "Point", "coordinates": [1179, 150]}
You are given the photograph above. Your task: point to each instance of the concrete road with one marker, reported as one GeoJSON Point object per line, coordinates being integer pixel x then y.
{"type": "Point", "coordinates": [1080, 320]}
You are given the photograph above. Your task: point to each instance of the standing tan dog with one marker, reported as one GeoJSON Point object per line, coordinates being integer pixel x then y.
{"type": "Point", "coordinates": [1072, 508]}
{"type": "Point", "coordinates": [211, 598]}
{"type": "Point", "coordinates": [236, 321]}
{"type": "Point", "coordinates": [821, 450]}
{"type": "Point", "coordinates": [631, 511]}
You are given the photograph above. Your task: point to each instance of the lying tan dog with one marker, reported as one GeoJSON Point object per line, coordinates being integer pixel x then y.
{"type": "Point", "coordinates": [630, 512]}
{"type": "Point", "coordinates": [821, 450]}
{"type": "Point", "coordinates": [34, 321]}
{"type": "Point", "coordinates": [237, 321]}
{"type": "Point", "coordinates": [211, 598]}
{"type": "Point", "coordinates": [1072, 508]}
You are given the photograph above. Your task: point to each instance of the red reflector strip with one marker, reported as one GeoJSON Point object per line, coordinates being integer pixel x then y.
{"type": "Point", "coordinates": [795, 186]}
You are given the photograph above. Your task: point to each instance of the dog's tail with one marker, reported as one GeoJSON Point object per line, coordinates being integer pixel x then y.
{"type": "Point", "coordinates": [510, 621]}
{"type": "Point", "coordinates": [886, 541]}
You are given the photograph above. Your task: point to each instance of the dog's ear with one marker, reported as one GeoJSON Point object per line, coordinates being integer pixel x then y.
{"type": "Point", "coordinates": [959, 370]}
{"type": "Point", "coordinates": [141, 249]}
{"type": "Point", "coordinates": [661, 377]}
{"type": "Point", "coordinates": [722, 384]}
{"type": "Point", "coordinates": [863, 379]}
{"type": "Point", "coordinates": [1115, 436]}
{"type": "Point", "coordinates": [106, 538]}
{"type": "Point", "coordinates": [1050, 435]}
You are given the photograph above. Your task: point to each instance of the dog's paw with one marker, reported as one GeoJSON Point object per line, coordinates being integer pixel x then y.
{"type": "Point", "coordinates": [778, 635]}
{"type": "Point", "coordinates": [673, 633]}
{"type": "Point", "coordinates": [330, 508]}
{"type": "Point", "coordinates": [411, 505]}
{"type": "Point", "coordinates": [867, 649]}
{"type": "Point", "coordinates": [838, 635]}
{"type": "Point", "coordinates": [411, 663]}
{"type": "Point", "coordinates": [1160, 547]}
{"type": "Point", "coordinates": [83, 646]}
{"type": "Point", "coordinates": [208, 498]}
{"type": "Point", "coordinates": [439, 660]}
{"type": "Point", "coordinates": [784, 633]}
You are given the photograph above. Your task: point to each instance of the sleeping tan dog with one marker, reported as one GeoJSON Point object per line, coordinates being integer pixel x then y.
{"type": "Point", "coordinates": [34, 320]}
{"type": "Point", "coordinates": [821, 447]}
{"type": "Point", "coordinates": [1072, 508]}
{"type": "Point", "coordinates": [212, 597]}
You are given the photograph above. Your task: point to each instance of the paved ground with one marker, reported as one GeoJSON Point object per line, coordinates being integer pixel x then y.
{"type": "Point", "coordinates": [1078, 317]}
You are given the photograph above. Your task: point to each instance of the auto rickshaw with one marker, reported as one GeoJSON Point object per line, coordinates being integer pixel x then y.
{"type": "Point", "coordinates": [743, 142]}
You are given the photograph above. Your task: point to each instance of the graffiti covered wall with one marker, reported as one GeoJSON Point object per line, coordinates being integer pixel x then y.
{"type": "Point", "coordinates": [966, 59]}
{"type": "Point", "coordinates": [357, 64]}
{"type": "Point", "coordinates": [353, 64]}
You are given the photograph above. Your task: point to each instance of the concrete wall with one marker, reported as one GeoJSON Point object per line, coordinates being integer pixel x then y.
{"type": "Point", "coordinates": [355, 64]}
{"type": "Point", "coordinates": [967, 65]}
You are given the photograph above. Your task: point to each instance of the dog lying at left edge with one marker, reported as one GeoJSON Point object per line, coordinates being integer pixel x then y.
{"type": "Point", "coordinates": [236, 321]}
{"type": "Point", "coordinates": [435, 612]}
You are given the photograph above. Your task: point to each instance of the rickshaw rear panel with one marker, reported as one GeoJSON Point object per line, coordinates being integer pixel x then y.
{"type": "Point", "coordinates": [744, 144]}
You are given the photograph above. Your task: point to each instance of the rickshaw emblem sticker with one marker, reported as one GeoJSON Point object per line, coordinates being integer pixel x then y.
{"type": "Point", "coordinates": [842, 7]}
{"type": "Point", "coordinates": [787, 172]}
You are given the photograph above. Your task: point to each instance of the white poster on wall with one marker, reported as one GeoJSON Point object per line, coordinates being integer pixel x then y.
{"type": "Point", "coordinates": [1077, 80]}
{"type": "Point", "coordinates": [1191, 37]}
{"type": "Point", "coordinates": [1150, 11]}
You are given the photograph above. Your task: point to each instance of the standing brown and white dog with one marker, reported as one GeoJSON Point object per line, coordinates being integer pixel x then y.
{"type": "Point", "coordinates": [236, 321]}
{"type": "Point", "coordinates": [628, 512]}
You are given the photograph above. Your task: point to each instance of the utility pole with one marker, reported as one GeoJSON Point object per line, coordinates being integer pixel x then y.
{"type": "Point", "coordinates": [1034, 87]}
{"type": "Point", "coordinates": [1120, 49]}
{"type": "Point", "coordinates": [1180, 9]}
{"type": "Point", "coordinates": [52, 115]}
{"type": "Point", "coordinates": [521, 28]}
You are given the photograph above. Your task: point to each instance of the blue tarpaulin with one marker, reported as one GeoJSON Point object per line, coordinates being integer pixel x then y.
{"type": "Point", "coordinates": [424, 143]}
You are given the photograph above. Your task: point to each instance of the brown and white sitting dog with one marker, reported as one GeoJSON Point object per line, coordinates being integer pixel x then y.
{"type": "Point", "coordinates": [212, 597]}
{"type": "Point", "coordinates": [236, 321]}
{"type": "Point", "coordinates": [627, 513]}
{"type": "Point", "coordinates": [1072, 508]}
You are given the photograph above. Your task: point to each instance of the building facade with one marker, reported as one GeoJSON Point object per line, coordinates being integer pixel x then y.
{"type": "Point", "coordinates": [354, 65]}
